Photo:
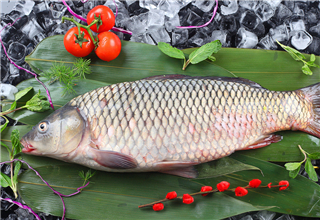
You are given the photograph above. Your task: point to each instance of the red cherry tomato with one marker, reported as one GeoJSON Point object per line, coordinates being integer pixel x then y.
{"type": "Point", "coordinates": [107, 18]}
{"type": "Point", "coordinates": [71, 45]}
{"type": "Point", "coordinates": [109, 46]}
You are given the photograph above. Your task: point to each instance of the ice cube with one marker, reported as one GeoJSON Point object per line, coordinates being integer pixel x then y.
{"type": "Point", "coordinates": [301, 39]}
{"type": "Point", "coordinates": [283, 12]}
{"type": "Point", "coordinates": [17, 52]}
{"type": "Point", "coordinates": [267, 43]}
{"type": "Point", "coordinates": [190, 18]}
{"type": "Point", "coordinates": [25, 7]}
{"type": "Point", "coordinates": [159, 34]}
{"type": "Point", "coordinates": [280, 33]}
{"type": "Point", "coordinates": [231, 8]}
{"type": "Point", "coordinates": [229, 23]}
{"type": "Point", "coordinates": [315, 30]}
{"type": "Point", "coordinates": [273, 3]}
{"type": "Point", "coordinates": [203, 5]}
{"type": "Point", "coordinates": [143, 38]}
{"type": "Point", "coordinates": [32, 28]}
{"type": "Point", "coordinates": [248, 4]}
{"type": "Point", "coordinates": [149, 4]}
{"type": "Point", "coordinates": [220, 35]}
{"type": "Point", "coordinates": [198, 39]}
{"type": "Point", "coordinates": [138, 23]}
{"type": "Point", "coordinates": [172, 23]}
{"type": "Point", "coordinates": [169, 7]}
{"type": "Point", "coordinates": [297, 25]}
{"type": "Point", "coordinates": [8, 91]}
{"type": "Point", "coordinates": [179, 36]}
{"type": "Point", "coordinates": [314, 47]}
{"type": "Point", "coordinates": [264, 11]}
{"type": "Point", "coordinates": [156, 18]}
{"type": "Point", "coordinates": [249, 20]}
{"type": "Point", "coordinates": [246, 39]}
{"type": "Point", "coordinates": [264, 215]}
{"type": "Point", "coordinates": [285, 217]}
{"type": "Point", "coordinates": [40, 7]}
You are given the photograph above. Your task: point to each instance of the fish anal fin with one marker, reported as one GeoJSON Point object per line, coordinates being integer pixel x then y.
{"type": "Point", "coordinates": [112, 159]}
{"type": "Point", "coordinates": [183, 169]}
{"type": "Point", "coordinates": [264, 141]}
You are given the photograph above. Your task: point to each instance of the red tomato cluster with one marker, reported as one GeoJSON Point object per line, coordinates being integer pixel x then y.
{"type": "Point", "coordinates": [108, 44]}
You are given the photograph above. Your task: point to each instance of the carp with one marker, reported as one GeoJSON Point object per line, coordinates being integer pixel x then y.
{"type": "Point", "coordinates": [170, 123]}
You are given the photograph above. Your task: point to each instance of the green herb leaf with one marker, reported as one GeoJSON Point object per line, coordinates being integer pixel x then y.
{"type": "Point", "coordinates": [312, 58]}
{"type": "Point", "coordinates": [22, 93]}
{"type": "Point", "coordinates": [38, 103]}
{"type": "Point", "coordinates": [5, 181]}
{"type": "Point", "coordinates": [5, 124]}
{"type": "Point", "coordinates": [212, 58]}
{"type": "Point", "coordinates": [16, 172]}
{"type": "Point", "coordinates": [310, 170]}
{"type": "Point", "coordinates": [171, 51]}
{"type": "Point", "coordinates": [204, 52]}
{"type": "Point", "coordinates": [9, 150]}
{"type": "Point", "coordinates": [82, 67]}
{"type": "Point", "coordinates": [314, 156]}
{"type": "Point", "coordinates": [15, 141]}
{"type": "Point", "coordinates": [292, 166]}
{"type": "Point", "coordinates": [13, 106]}
{"type": "Point", "coordinates": [294, 173]}
{"type": "Point", "coordinates": [306, 70]}
{"type": "Point", "coordinates": [294, 53]}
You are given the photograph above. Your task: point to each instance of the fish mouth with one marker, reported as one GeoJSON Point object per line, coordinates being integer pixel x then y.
{"type": "Point", "coordinates": [27, 148]}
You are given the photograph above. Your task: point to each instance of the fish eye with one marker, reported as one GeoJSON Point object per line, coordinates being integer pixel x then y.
{"type": "Point", "coordinates": [43, 127]}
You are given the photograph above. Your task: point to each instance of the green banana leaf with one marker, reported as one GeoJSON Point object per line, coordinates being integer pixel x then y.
{"type": "Point", "coordinates": [274, 70]}
{"type": "Point", "coordinates": [110, 196]}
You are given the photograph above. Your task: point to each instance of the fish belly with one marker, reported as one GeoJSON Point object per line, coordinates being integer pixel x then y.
{"type": "Point", "coordinates": [192, 120]}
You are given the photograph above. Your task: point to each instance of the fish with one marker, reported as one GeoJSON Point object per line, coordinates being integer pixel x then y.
{"type": "Point", "coordinates": [170, 123]}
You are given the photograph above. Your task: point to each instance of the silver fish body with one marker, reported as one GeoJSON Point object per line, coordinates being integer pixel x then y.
{"type": "Point", "coordinates": [170, 123]}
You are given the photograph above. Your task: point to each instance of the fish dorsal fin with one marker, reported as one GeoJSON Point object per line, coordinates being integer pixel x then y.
{"type": "Point", "coordinates": [219, 78]}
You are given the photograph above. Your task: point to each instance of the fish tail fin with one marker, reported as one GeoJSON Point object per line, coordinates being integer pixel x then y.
{"type": "Point", "coordinates": [312, 93]}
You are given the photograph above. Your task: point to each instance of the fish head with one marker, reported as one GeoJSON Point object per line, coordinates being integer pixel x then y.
{"type": "Point", "coordinates": [57, 135]}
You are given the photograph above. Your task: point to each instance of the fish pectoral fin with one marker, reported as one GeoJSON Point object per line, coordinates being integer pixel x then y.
{"type": "Point", "coordinates": [178, 168]}
{"type": "Point", "coordinates": [112, 159]}
{"type": "Point", "coordinates": [264, 141]}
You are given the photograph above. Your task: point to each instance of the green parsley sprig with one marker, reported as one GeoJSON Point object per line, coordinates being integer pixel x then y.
{"type": "Point", "coordinates": [68, 76]}
{"type": "Point", "coordinates": [12, 181]}
{"type": "Point", "coordinates": [300, 57]}
{"type": "Point", "coordinates": [197, 56]}
{"type": "Point", "coordinates": [295, 167]}
{"type": "Point", "coordinates": [86, 176]}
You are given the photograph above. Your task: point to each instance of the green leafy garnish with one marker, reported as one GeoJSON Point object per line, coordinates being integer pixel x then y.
{"type": "Point", "coordinates": [294, 168]}
{"type": "Point", "coordinates": [37, 103]}
{"type": "Point", "coordinates": [12, 181]}
{"type": "Point", "coordinates": [68, 76]}
{"type": "Point", "coordinates": [300, 57]}
{"type": "Point", "coordinates": [197, 56]}
{"type": "Point", "coordinates": [86, 176]}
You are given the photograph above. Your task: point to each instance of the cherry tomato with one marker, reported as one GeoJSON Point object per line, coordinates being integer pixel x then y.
{"type": "Point", "coordinates": [72, 42]}
{"type": "Point", "coordinates": [109, 46]}
{"type": "Point", "coordinates": [107, 18]}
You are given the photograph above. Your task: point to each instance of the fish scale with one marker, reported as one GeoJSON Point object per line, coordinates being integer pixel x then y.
{"type": "Point", "coordinates": [170, 123]}
{"type": "Point", "coordinates": [221, 117]}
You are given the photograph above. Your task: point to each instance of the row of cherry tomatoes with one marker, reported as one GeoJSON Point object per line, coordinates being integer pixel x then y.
{"type": "Point", "coordinates": [106, 44]}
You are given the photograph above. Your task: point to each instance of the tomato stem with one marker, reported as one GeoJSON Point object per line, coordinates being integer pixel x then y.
{"type": "Point", "coordinates": [87, 27]}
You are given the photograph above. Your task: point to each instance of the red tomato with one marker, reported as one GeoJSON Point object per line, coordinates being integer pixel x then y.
{"type": "Point", "coordinates": [109, 46]}
{"type": "Point", "coordinates": [71, 45]}
{"type": "Point", "coordinates": [107, 18]}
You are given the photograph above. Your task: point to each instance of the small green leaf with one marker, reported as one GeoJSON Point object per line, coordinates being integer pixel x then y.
{"type": "Point", "coordinates": [205, 51]}
{"type": "Point", "coordinates": [38, 103]}
{"type": "Point", "coordinates": [314, 156]}
{"type": "Point", "coordinates": [15, 141]}
{"type": "Point", "coordinates": [5, 124]}
{"type": "Point", "coordinates": [5, 180]}
{"type": "Point", "coordinates": [294, 173]}
{"type": "Point", "coordinates": [306, 70]}
{"type": "Point", "coordinates": [312, 57]}
{"type": "Point", "coordinates": [171, 51]}
{"type": "Point", "coordinates": [22, 93]}
{"type": "Point", "coordinates": [16, 172]}
{"type": "Point", "coordinates": [292, 166]}
{"type": "Point", "coordinates": [13, 106]}
{"type": "Point", "coordinates": [294, 53]}
{"type": "Point", "coordinates": [310, 170]}
{"type": "Point", "coordinates": [9, 150]}
{"type": "Point", "coordinates": [212, 58]}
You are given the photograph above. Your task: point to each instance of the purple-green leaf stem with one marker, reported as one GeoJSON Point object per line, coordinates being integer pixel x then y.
{"type": "Point", "coordinates": [56, 192]}
{"type": "Point", "coordinates": [214, 13]}
{"type": "Point", "coordinates": [21, 206]}
{"type": "Point", "coordinates": [21, 68]}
